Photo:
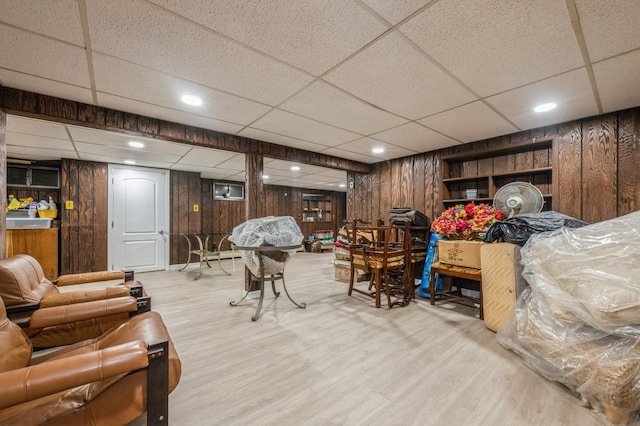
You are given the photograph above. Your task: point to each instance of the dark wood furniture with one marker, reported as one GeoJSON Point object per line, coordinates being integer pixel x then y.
{"type": "Point", "coordinates": [488, 169]}
{"type": "Point", "coordinates": [445, 270]}
{"type": "Point", "coordinates": [373, 250]}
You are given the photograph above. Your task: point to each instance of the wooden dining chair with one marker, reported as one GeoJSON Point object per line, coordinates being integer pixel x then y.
{"type": "Point", "coordinates": [381, 256]}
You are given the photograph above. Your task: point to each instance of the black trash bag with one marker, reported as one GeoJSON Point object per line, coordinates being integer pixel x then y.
{"type": "Point", "coordinates": [518, 229]}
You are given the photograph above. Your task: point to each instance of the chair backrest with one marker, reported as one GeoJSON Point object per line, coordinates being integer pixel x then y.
{"type": "Point", "coordinates": [15, 346]}
{"type": "Point", "coordinates": [22, 280]}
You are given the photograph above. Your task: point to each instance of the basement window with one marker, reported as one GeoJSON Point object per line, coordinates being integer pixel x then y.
{"type": "Point", "coordinates": [228, 191]}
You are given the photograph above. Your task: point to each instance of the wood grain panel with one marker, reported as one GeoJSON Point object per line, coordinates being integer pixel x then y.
{"type": "Point", "coordinates": [405, 188]}
{"type": "Point", "coordinates": [254, 193]}
{"type": "Point", "coordinates": [628, 161]}
{"type": "Point", "coordinates": [101, 218]}
{"type": "Point", "coordinates": [86, 211]}
{"type": "Point", "coordinates": [432, 187]}
{"type": "Point", "coordinates": [385, 189]}
{"type": "Point", "coordinates": [91, 114]}
{"type": "Point", "coordinates": [568, 199]}
{"type": "Point", "coordinates": [599, 169]}
{"type": "Point", "coordinates": [417, 181]}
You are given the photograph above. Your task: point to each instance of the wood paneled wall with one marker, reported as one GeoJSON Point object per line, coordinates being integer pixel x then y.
{"type": "Point", "coordinates": [287, 201]}
{"type": "Point", "coordinates": [83, 232]}
{"type": "Point", "coordinates": [29, 104]}
{"type": "Point", "coordinates": [598, 171]}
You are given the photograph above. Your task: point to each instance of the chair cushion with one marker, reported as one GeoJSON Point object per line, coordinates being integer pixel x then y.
{"type": "Point", "coordinates": [22, 280]}
{"type": "Point", "coordinates": [15, 346]}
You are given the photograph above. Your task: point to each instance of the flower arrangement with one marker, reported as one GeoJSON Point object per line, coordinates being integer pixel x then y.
{"type": "Point", "coordinates": [466, 222]}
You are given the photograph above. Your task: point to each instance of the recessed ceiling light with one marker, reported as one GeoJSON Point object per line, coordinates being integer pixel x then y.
{"type": "Point", "coordinates": [191, 100]}
{"type": "Point", "coordinates": [265, 176]}
{"type": "Point", "coordinates": [295, 168]}
{"type": "Point", "coordinates": [343, 185]}
{"type": "Point", "coordinates": [545, 107]}
{"type": "Point", "coordinates": [129, 162]}
{"type": "Point", "coordinates": [136, 144]}
{"type": "Point", "coordinates": [377, 150]}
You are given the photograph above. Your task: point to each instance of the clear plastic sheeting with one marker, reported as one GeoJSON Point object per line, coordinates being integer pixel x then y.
{"type": "Point", "coordinates": [579, 322]}
{"type": "Point", "coordinates": [518, 229]}
{"type": "Point", "coordinates": [276, 231]}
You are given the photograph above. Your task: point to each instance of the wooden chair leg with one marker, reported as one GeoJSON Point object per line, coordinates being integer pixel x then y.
{"type": "Point", "coordinates": [378, 287]}
{"type": "Point", "coordinates": [387, 286]}
{"type": "Point", "coordinates": [352, 272]}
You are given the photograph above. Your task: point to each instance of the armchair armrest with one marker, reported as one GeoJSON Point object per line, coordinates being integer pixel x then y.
{"type": "Point", "coordinates": [56, 315]}
{"type": "Point", "coordinates": [89, 277]}
{"type": "Point", "coordinates": [30, 383]}
{"type": "Point", "coordinates": [60, 299]}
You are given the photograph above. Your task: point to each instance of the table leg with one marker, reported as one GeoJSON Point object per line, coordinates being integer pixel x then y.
{"type": "Point", "coordinates": [299, 305]}
{"type": "Point", "coordinates": [189, 251]}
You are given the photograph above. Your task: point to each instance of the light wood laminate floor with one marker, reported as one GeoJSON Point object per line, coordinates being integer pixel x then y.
{"type": "Point", "coordinates": [341, 361]}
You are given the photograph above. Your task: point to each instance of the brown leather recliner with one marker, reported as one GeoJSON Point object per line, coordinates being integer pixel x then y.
{"type": "Point", "coordinates": [109, 380]}
{"type": "Point", "coordinates": [51, 318]}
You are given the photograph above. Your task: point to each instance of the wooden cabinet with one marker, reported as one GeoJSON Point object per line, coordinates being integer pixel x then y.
{"type": "Point", "coordinates": [484, 171]}
{"type": "Point", "coordinates": [42, 244]}
{"type": "Point", "coordinates": [316, 208]}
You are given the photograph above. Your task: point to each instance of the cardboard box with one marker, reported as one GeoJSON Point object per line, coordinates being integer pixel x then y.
{"type": "Point", "coordinates": [342, 271]}
{"type": "Point", "coordinates": [502, 282]}
{"type": "Point", "coordinates": [460, 253]}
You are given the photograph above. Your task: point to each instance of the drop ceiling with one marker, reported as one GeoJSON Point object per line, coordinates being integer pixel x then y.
{"type": "Point", "coordinates": [336, 77]}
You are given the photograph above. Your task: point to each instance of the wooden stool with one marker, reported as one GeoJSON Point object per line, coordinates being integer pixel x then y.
{"type": "Point", "coordinates": [456, 272]}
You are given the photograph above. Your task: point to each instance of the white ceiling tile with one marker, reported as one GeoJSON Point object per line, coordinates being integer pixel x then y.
{"type": "Point", "coordinates": [38, 154]}
{"type": "Point", "coordinates": [177, 47]}
{"type": "Point", "coordinates": [217, 174]}
{"type": "Point", "coordinates": [34, 141]}
{"type": "Point", "coordinates": [123, 153]}
{"type": "Point", "coordinates": [325, 103]}
{"type": "Point", "coordinates": [395, 77]}
{"type": "Point", "coordinates": [305, 169]}
{"type": "Point", "coordinates": [471, 122]}
{"type": "Point", "coordinates": [44, 57]}
{"type": "Point", "coordinates": [161, 89]}
{"type": "Point", "coordinates": [317, 35]}
{"type": "Point", "coordinates": [261, 135]}
{"type": "Point", "coordinates": [205, 172]}
{"type": "Point", "coordinates": [139, 162]}
{"type": "Point", "coordinates": [415, 137]}
{"type": "Point", "coordinates": [237, 163]}
{"type": "Point", "coordinates": [31, 126]}
{"type": "Point", "coordinates": [44, 86]}
{"type": "Point", "coordinates": [155, 111]}
{"type": "Point", "coordinates": [206, 157]}
{"type": "Point", "coordinates": [610, 27]}
{"type": "Point", "coordinates": [395, 11]}
{"type": "Point", "coordinates": [365, 145]}
{"type": "Point", "coordinates": [54, 18]}
{"type": "Point", "coordinates": [571, 91]}
{"type": "Point", "coordinates": [333, 173]}
{"type": "Point", "coordinates": [493, 45]}
{"type": "Point", "coordinates": [618, 81]}
{"type": "Point", "coordinates": [121, 140]}
{"type": "Point", "coordinates": [294, 126]}
{"type": "Point", "coordinates": [349, 155]}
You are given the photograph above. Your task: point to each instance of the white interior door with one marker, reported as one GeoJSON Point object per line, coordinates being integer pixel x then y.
{"type": "Point", "coordinates": [139, 218]}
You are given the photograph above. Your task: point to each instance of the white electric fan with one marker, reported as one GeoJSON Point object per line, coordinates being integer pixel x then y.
{"type": "Point", "coordinates": [518, 197]}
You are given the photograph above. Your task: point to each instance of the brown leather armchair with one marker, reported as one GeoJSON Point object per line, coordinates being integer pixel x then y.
{"type": "Point", "coordinates": [50, 318]}
{"type": "Point", "coordinates": [109, 380]}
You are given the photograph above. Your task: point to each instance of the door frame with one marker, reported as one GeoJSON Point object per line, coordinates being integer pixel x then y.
{"type": "Point", "coordinates": [111, 203]}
